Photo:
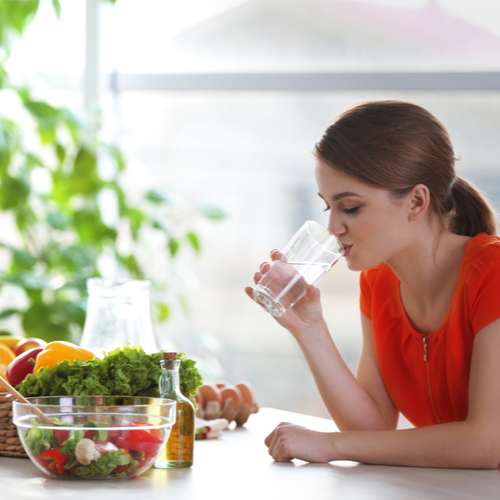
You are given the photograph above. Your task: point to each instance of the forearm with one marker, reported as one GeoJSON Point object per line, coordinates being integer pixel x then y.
{"type": "Point", "coordinates": [347, 401]}
{"type": "Point", "coordinates": [450, 445]}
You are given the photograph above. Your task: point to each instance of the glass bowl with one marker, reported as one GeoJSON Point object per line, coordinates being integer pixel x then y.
{"type": "Point", "coordinates": [94, 437]}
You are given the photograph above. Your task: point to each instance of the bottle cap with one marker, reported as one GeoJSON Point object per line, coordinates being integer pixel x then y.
{"type": "Point", "coordinates": [169, 358]}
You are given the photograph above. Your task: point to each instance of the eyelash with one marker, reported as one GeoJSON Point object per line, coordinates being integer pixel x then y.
{"type": "Point", "coordinates": [348, 211]}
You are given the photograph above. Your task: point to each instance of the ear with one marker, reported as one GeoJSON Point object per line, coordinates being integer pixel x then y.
{"type": "Point", "coordinates": [419, 200]}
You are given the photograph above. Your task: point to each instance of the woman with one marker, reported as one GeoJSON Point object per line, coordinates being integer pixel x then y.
{"type": "Point", "coordinates": [430, 300]}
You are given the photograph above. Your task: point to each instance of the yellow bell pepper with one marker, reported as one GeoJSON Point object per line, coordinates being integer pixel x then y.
{"type": "Point", "coordinates": [60, 350]}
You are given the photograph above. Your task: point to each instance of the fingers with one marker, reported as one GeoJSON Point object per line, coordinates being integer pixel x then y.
{"type": "Point", "coordinates": [263, 269]}
{"type": "Point", "coordinates": [275, 443]}
{"type": "Point", "coordinates": [312, 293]}
{"type": "Point", "coordinates": [276, 255]}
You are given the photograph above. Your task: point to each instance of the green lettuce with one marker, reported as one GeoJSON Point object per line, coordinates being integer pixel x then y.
{"type": "Point", "coordinates": [125, 371]}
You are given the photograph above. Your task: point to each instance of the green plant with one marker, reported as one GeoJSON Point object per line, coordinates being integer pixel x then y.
{"type": "Point", "coordinates": [54, 190]}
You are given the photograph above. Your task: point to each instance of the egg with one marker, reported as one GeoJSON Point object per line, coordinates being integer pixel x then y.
{"type": "Point", "coordinates": [231, 391]}
{"type": "Point", "coordinates": [210, 392]}
{"type": "Point", "coordinates": [199, 399]}
{"type": "Point", "coordinates": [247, 393]}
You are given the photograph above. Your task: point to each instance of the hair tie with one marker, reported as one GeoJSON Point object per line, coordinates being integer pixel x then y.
{"type": "Point", "coordinates": [453, 182]}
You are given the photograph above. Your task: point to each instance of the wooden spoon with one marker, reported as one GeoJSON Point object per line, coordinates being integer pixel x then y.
{"type": "Point", "coordinates": [32, 408]}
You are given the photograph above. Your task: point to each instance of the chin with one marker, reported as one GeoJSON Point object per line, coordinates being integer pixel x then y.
{"type": "Point", "coordinates": [352, 265]}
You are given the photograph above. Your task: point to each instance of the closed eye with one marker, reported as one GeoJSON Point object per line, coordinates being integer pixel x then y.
{"type": "Point", "coordinates": [350, 211]}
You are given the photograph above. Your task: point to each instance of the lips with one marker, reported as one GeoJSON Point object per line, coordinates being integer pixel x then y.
{"type": "Point", "coordinates": [347, 249]}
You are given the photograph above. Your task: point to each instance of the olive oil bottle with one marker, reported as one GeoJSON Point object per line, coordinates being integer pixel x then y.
{"type": "Point", "coordinates": [178, 452]}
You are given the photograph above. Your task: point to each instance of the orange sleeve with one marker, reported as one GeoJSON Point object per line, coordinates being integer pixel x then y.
{"type": "Point", "coordinates": [484, 289]}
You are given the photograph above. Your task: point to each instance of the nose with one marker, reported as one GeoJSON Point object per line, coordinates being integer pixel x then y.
{"type": "Point", "coordinates": [336, 225]}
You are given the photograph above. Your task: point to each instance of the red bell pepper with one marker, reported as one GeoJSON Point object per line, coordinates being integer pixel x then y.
{"type": "Point", "coordinates": [55, 460]}
{"type": "Point", "coordinates": [22, 366]}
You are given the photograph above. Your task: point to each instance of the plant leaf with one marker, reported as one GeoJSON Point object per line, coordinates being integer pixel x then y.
{"type": "Point", "coordinates": [194, 240]}
{"type": "Point", "coordinates": [7, 313]}
{"type": "Point", "coordinates": [212, 212]}
{"type": "Point", "coordinates": [163, 311]}
{"type": "Point", "coordinates": [173, 246]}
{"type": "Point", "coordinates": [57, 8]}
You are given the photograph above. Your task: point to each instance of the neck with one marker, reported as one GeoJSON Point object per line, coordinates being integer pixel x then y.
{"type": "Point", "coordinates": [429, 271]}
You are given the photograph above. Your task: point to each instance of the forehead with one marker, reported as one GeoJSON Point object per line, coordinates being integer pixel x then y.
{"type": "Point", "coordinates": [336, 184]}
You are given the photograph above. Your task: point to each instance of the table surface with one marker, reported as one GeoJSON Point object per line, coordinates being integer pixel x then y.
{"type": "Point", "coordinates": [237, 466]}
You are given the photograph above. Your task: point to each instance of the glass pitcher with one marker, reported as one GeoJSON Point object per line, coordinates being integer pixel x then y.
{"type": "Point", "coordinates": [118, 312]}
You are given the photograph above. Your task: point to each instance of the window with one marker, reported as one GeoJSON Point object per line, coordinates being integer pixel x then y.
{"type": "Point", "coordinates": [223, 100]}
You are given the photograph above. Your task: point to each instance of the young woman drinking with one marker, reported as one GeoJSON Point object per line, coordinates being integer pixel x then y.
{"type": "Point", "coordinates": [425, 242]}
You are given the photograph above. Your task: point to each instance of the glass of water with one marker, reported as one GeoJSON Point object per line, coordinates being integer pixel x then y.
{"type": "Point", "coordinates": [309, 255]}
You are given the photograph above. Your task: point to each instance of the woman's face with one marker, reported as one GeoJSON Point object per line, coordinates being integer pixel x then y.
{"type": "Point", "coordinates": [372, 225]}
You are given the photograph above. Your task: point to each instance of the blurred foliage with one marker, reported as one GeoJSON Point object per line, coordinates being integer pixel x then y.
{"type": "Point", "coordinates": [52, 189]}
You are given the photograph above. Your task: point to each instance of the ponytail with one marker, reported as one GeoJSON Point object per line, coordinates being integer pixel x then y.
{"type": "Point", "coordinates": [468, 213]}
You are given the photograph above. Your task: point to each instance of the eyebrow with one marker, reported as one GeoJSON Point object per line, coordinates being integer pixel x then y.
{"type": "Point", "coordinates": [344, 194]}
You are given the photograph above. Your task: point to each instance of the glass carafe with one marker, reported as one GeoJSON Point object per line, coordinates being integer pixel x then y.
{"type": "Point", "coordinates": [118, 312]}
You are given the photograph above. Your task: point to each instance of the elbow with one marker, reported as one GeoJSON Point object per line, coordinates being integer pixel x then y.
{"type": "Point", "coordinates": [486, 451]}
{"type": "Point", "coordinates": [490, 460]}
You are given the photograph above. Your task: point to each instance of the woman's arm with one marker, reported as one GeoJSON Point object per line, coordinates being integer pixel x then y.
{"type": "Point", "coordinates": [473, 443]}
{"type": "Point", "coordinates": [355, 403]}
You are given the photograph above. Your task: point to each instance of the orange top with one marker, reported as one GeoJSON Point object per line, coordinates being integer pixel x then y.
{"type": "Point", "coordinates": [400, 348]}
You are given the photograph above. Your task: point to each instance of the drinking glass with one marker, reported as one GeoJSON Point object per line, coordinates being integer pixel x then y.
{"type": "Point", "coordinates": [309, 255]}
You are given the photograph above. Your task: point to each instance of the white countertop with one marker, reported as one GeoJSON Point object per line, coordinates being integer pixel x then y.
{"type": "Point", "coordinates": [237, 466]}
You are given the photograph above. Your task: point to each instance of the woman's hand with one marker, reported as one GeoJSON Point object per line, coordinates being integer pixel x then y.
{"type": "Point", "coordinates": [304, 314]}
{"type": "Point", "coordinates": [289, 441]}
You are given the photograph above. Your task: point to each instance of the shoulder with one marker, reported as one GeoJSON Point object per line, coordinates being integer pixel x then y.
{"type": "Point", "coordinates": [482, 255]}
{"type": "Point", "coordinates": [481, 280]}
{"type": "Point", "coordinates": [376, 275]}
{"type": "Point", "coordinates": [378, 287]}
{"type": "Point", "coordinates": [484, 247]}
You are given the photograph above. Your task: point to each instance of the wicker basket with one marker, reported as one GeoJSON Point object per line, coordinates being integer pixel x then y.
{"type": "Point", "coordinates": [10, 444]}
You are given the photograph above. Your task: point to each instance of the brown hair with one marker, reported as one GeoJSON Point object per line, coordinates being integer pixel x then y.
{"type": "Point", "coordinates": [395, 145]}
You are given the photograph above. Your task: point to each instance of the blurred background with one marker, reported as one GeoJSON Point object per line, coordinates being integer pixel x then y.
{"type": "Point", "coordinates": [196, 121]}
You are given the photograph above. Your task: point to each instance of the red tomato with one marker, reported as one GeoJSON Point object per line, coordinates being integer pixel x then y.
{"type": "Point", "coordinates": [61, 435]}
{"type": "Point", "coordinates": [104, 447]}
{"type": "Point", "coordinates": [145, 446]}
{"type": "Point", "coordinates": [151, 435]}
{"type": "Point", "coordinates": [141, 436]}
{"type": "Point", "coordinates": [120, 468]}
{"type": "Point", "coordinates": [21, 366]}
{"type": "Point", "coordinates": [114, 435]}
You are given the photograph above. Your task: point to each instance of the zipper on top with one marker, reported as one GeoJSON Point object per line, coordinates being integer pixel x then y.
{"type": "Point", "coordinates": [426, 360]}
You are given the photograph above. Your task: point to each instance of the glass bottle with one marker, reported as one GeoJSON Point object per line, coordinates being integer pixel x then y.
{"type": "Point", "coordinates": [118, 312]}
{"type": "Point", "coordinates": [178, 452]}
